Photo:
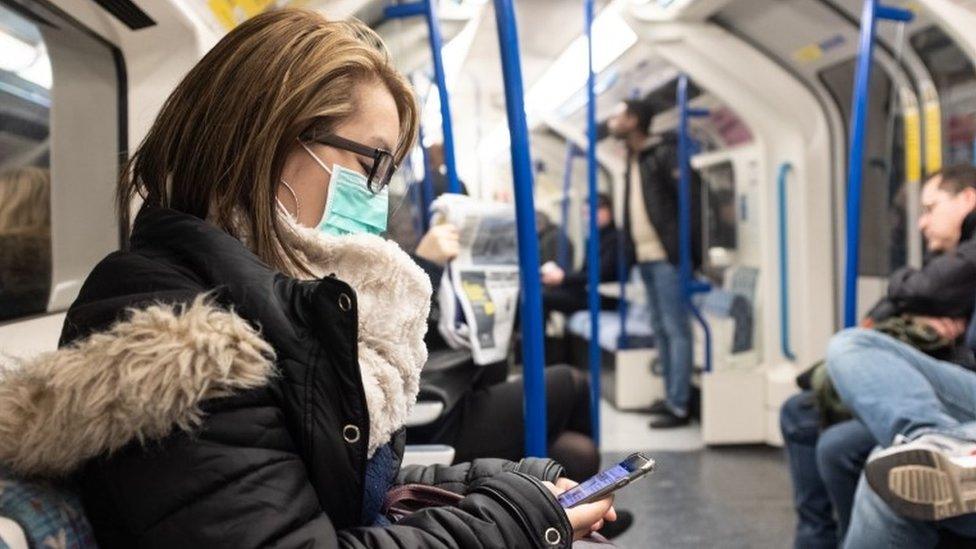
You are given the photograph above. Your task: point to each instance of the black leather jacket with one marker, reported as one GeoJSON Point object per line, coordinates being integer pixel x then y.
{"type": "Point", "coordinates": [275, 463]}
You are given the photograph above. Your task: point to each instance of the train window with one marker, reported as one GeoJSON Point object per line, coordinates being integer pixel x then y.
{"type": "Point", "coordinates": [719, 217]}
{"type": "Point", "coordinates": [955, 80]}
{"type": "Point", "coordinates": [25, 188]}
{"type": "Point", "coordinates": [883, 204]}
{"type": "Point", "coordinates": [61, 134]}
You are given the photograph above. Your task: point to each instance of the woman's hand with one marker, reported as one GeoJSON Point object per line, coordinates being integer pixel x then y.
{"type": "Point", "coordinates": [440, 244]}
{"type": "Point", "coordinates": [588, 517]}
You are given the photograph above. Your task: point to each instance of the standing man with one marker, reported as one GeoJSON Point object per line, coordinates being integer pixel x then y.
{"type": "Point", "coordinates": [651, 224]}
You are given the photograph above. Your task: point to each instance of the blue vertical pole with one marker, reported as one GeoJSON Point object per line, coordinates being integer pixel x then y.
{"type": "Point", "coordinates": [688, 284]}
{"type": "Point", "coordinates": [428, 9]}
{"type": "Point", "coordinates": [426, 187]}
{"type": "Point", "coordinates": [593, 243]}
{"type": "Point", "coordinates": [562, 251]}
{"type": "Point", "coordinates": [532, 336]}
{"type": "Point", "coordinates": [784, 266]}
{"type": "Point", "coordinates": [855, 161]}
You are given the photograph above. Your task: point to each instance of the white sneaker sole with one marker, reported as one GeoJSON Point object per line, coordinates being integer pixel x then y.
{"type": "Point", "coordinates": [923, 484]}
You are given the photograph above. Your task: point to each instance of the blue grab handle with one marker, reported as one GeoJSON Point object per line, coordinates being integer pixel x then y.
{"type": "Point", "coordinates": [428, 9]}
{"type": "Point", "coordinates": [593, 245]}
{"type": "Point", "coordinates": [855, 162]}
{"type": "Point", "coordinates": [784, 264]}
{"type": "Point", "coordinates": [689, 285]}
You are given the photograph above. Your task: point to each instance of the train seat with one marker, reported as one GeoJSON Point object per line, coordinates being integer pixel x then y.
{"type": "Point", "coordinates": [41, 514]}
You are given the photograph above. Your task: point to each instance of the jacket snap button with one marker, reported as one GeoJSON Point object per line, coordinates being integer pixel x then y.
{"type": "Point", "coordinates": [345, 302]}
{"type": "Point", "coordinates": [351, 434]}
{"type": "Point", "coordinates": [553, 537]}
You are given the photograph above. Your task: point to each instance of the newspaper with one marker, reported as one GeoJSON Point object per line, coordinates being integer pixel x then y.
{"type": "Point", "coordinates": [479, 291]}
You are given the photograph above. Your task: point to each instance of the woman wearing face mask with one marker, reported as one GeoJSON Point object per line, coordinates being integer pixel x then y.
{"type": "Point", "coordinates": [239, 376]}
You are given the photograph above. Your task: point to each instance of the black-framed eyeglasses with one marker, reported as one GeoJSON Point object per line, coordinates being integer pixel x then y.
{"type": "Point", "coordinates": [383, 166]}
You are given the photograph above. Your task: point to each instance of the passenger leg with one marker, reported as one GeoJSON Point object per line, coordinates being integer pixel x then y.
{"type": "Point", "coordinates": [491, 423]}
{"type": "Point", "coordinates": [874, 525]}
{"type": "Point", "coordinates": [800, 424]}
{"type": "Point", "coordinates": [657, 321]}
{"type": "Point", "coordinates": [841, 451]}
{"type": "Point", "coordinates": [926, 408]}
{"type": "Point", "coordinates": [895, 389]}
{"type": "Point", "coordinates": [676, 324]}
{"type": "Point", "coordinates": [566, 300]}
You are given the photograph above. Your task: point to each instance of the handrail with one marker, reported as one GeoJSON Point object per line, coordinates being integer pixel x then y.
{"type": "Point", "coordinates": [689, 286]}
{"type": "Point", "coordinates": [533, 349]}
{"type": "Point", "coordinates": [593, 244]}
{"type": "Point", "coordinates": [428, 9]}
{"type": "Point", "coordinates": [871, 12]}
{"type": "Point", "coordinates": [784, 272]}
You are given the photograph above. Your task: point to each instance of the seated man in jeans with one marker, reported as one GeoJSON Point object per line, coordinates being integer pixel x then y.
{"type": "Point", "coordinates": [924, 411]}
{"type": "Point", "coordinates": [825, 466]}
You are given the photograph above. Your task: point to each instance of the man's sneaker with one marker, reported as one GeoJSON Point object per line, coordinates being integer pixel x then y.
{"type": "Point", "coordinates": [670, 421]}
{"type": "Point", "coordinates": [930, 478]}
{"type": "Point", "coordinates": [658, 408]}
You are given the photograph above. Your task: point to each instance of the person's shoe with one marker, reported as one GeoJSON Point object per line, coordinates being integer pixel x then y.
{"type": "Point", "coordinates": [670, 421]}
{"type": "Point", "coordinates": [930, 478]}
{"type": "Point", "coordinates": [613, 529]}
{"type": "Point", "coordinates": [658, 408]}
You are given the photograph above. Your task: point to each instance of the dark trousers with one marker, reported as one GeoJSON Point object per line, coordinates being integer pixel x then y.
{"type": "Point", "coordinates": [488, 422]}
{"type": "Point", "coordinates": [824, 467]}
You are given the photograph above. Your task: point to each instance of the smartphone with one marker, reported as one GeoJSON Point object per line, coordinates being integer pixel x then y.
{"type": "Point", "coordinates": [602, 484]}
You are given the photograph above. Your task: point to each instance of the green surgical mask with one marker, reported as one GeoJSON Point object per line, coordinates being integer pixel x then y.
{"type": "Point", "coordinates": [350, 207]}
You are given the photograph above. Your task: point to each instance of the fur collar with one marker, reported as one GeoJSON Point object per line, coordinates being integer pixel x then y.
{"type": "Point", "coordinates": [135, 381]}
{"type": "Point", "coordinates": [393, 295]}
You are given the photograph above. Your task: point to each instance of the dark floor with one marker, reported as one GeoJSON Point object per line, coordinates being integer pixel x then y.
{"type": "Point", "coordinates": [723, 498]}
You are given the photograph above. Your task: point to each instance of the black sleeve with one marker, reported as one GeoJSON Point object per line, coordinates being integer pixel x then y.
{"type": "Point", "coordinates": [508, 510]}
{"type": "Point", "coordinates": [461, 478]}
{"type": "Point", "coordinates": [945, 286]}
{"type": "Point", "coordinates": [433, 270]}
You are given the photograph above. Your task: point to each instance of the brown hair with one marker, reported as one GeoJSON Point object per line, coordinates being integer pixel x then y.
{"type": "Point", "coordinates": [218, 146]}
{"type": "Point", "coordinates": [956, 178]}
{"type": "Point", "coordinates": [25, 200]}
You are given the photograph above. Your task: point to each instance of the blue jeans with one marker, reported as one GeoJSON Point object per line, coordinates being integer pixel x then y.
{"type": "Point", "coordinates": [841, 453]}
{"type": "Point", "coordinates": [824, 468]}
{"type": "Point", "coordinates": [896, 389]}
{"type": "Point", "coordinates": [672, 331]}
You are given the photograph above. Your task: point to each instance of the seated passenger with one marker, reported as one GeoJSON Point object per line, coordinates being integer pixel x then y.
{"type": "Point", "coordinates": [25, 241]}
{"type": "Point", "coordinates": [825, 466]}
{"type": "Point", "coordinates": [240, 376]}
{"type": "Point", "coordinates": [921, 408]}
{"type": "Point", "coordinates": [487, 421]}
{"type": "Point", "coordinates": [566, 292]}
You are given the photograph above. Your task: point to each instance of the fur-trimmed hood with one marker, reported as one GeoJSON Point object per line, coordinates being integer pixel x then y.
{"type": "Point", "coordinates": [149, 373]}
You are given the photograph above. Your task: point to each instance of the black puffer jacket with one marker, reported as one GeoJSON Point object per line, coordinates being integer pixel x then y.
{"type": "Point", "coordinates": [239, 419]}
{"type": "Point", "coordinates": [944, 287]}
{"type": "Point", "coordinates": [659, 176]}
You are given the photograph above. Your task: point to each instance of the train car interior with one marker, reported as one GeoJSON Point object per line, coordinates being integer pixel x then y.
{"type": "Point", "coordinates": [779, 194]}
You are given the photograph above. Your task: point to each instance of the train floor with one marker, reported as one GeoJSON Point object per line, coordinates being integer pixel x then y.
{"type": "Point", "coordinates": [726, 497]}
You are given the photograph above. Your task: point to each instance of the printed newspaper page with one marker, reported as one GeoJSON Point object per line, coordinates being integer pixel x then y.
{"type": "Point", "coordinates": [480, 289]}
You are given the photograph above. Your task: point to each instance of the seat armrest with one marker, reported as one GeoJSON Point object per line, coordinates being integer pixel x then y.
{"type": "Point", "coordinates": [427, 455]}
{"type": "Point", "coordinates": [12, 535]}
{"type": "Point", "coordinates": [425, 412]}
